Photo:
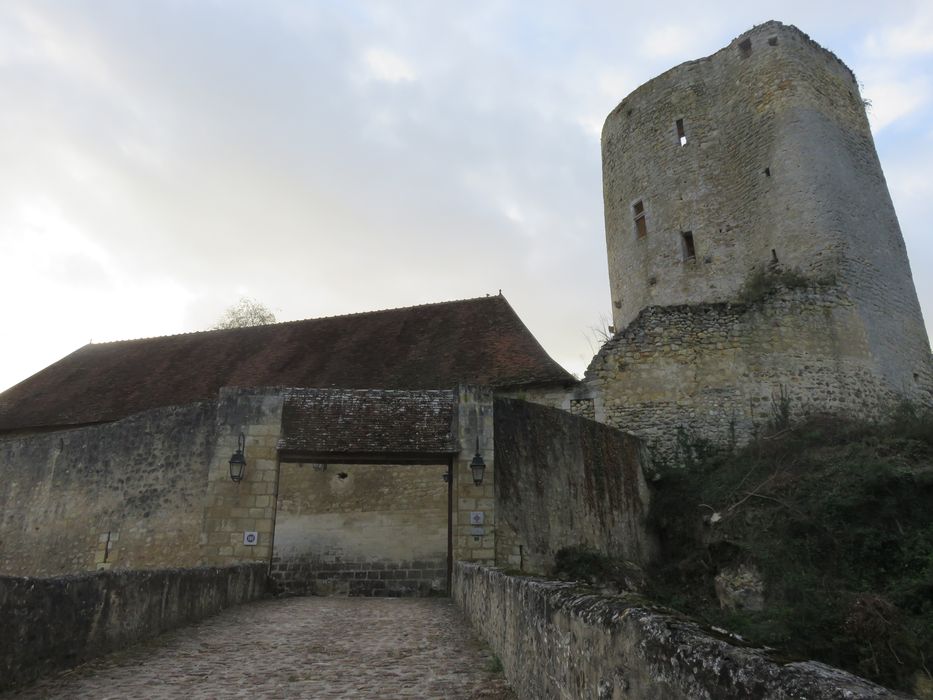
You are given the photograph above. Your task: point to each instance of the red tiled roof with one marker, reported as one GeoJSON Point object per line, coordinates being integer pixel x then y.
{"type": "Point", "coordinates": [363, 421]}
{"type": "Point", "coordinates": [434, 346]}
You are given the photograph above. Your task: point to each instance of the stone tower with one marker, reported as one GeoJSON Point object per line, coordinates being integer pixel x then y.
{"type": "Point", "coordinates": [756, 264]}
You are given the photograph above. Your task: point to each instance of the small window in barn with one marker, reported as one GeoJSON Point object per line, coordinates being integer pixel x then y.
{"type": "Point", "coordinates": [641, 225]}
{"type": "Point", "coordinates": [689, 249]}
{"type": "Point", "coordinates": [745, 48]}
{"type": "Point", "coordinates": [681, 134]}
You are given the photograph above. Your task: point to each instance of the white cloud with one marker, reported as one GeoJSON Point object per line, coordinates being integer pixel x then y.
{"type": "Point", "coordinates": [912, 38]}
{"type": "Point", "coordinates": [387, 66]}
{"type": "Point", "coordinates": [673, 42]}
{"type": "Point", "coordinates": [893, 100]}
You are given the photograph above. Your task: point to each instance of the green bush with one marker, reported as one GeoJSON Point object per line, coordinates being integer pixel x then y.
{"type": "Point", "coordinates": [836, 517]}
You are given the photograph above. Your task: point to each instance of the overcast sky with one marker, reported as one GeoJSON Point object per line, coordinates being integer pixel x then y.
{"type": "Point", "coordinates": [160, 159]}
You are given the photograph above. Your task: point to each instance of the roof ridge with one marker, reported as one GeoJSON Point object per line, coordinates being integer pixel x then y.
{"type": "Point", "coordinates": [302, 320]}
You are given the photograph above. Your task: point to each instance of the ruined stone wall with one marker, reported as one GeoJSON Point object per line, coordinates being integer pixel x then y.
{"type": "Point", "coordinates": [682, 376]}
{"type": "Point", "coordinates": [361, 529]}
{"type": "Point", "coordinates": [565, 481]}
{"type": "Point", "coordinates": [558, 640]}
{"type": "Point", "coordinates": [778, 169]}
{"type": "Point", "coordinates": [128, 494]}
{"type": "Point", "coordinates": [55, 623]}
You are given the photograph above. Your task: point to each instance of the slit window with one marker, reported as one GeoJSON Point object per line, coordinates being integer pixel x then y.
{"type": "Point", "coordinates": [689, 250]}
{"type": "Point", "coordinates": [641, 225]}
{"type": "Point", "coordinates": [681, 134]}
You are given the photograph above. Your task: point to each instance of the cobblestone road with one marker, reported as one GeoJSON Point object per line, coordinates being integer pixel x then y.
{"type": "Point", "coordinates": [299, 648]}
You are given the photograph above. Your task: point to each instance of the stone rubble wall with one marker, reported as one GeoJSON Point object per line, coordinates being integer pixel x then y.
{"type": "Point", "coordinates": [56, 623]}
{"type": "Point", "coordinates": [564, 481]}
{"type": "Point", "coordinates": [557, 640]}
{"type": "Point", "coordinates": [681, 377]}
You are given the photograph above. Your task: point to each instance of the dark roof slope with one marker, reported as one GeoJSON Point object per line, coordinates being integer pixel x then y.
{"type": "Point", "coordinates": [363, 421]}
{"type": "Point", "coordinates": [434, 346]}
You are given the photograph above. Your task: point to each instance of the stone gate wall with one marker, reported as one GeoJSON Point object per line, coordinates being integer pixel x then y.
{"type": "Point", "coordinates": [361, 529]}
{"type": "Point", "coordinates": [562, 481]}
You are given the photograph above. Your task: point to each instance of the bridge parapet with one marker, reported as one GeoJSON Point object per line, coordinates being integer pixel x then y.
{"type": "Point", "coordinates": [57, 622]}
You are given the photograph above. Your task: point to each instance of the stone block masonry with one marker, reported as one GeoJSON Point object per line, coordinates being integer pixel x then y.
{"type": "Point", "coordinates": [361, 529]}
{"type": "Point", "coordinates": [55, 623]}
{"type": "Point", "coordinates": [475, 428]}
{"type": "Point", "coordinates": [557, 640]}
{"type": "Point", "coordinates": [234, 509]}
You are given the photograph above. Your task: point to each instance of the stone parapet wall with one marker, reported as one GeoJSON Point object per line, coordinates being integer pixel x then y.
{"type": "Point", "coordinates": [55, 623]}
{"type": "Point", "coordinates": [556, 640]}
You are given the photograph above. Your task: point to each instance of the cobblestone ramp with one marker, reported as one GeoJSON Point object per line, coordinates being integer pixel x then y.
{"type": "Point", "coordinates": [298, 648]}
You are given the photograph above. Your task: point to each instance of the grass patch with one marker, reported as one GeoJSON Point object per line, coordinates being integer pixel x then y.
{"type": "Point", "coordinates": [494, 665]}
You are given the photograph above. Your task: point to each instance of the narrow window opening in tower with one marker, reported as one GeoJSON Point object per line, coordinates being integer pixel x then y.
{"type": "Point", "coordinates": [689, 249]}
{"type": "Point", "coordinates": [774, 257]}
{"type": "Point", "coordinates": [681, 134]}
{"type": "Point", "coordinates": [767, 172]}
{"type": "Point", "coordinates": [745, 47]}
{"type": "Point", "coordinates": [772, 41]}
{"type": "Point", "coordinates": [641, 225]}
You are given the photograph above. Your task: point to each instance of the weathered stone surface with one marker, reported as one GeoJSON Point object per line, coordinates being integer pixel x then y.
{"type": "Point", "coordinates": [557, 640]}
{"type": "Point", "coordinates": [740, 588]}
{"type": "Point", "coordinates": [563, 481]}
{"type": "Point", "coordinates": [368, 421]}
{"type": "Point", "coordinates": [361, 529]}
{"type": "Point", "coordinates": [55, 623]}
{"type": "Point", "coordinates": [320, 648]}
{"type": "Point", "coordinates": [125, 494]}
{"type": "Point", "coordinates": [776, 173]}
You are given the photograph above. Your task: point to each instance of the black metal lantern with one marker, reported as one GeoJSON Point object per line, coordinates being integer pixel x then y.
{"type": "Point", "coordinates": [238, 461]}
{"type": "Point", "coordinates": [477, 466]}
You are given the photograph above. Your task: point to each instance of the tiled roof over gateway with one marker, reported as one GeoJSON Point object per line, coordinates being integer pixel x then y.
{"type": "Point", "coordinates": [434, 346]}
{"type": "Point", "coordinates": [361, 421]}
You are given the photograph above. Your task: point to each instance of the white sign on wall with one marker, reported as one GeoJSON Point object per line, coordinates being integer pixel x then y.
{"type": "Point", "coordinates": [477, 517]}
{"type": "Point", "coordinates": [250, 538]}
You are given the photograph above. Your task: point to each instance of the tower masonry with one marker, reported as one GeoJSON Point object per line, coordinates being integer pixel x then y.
{"type": "Point", "coordinates": [756, 265]}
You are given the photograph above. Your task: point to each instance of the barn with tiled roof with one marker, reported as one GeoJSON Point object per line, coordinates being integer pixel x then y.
{"type": "Point", "coordinates": [316, 446]}
{"type": "Point", "coordinates": [478, 341]}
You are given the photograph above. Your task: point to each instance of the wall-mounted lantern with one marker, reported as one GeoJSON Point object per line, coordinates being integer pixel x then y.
{"type": "Point", "coordinates": [477, 466]}
{"type": "Point", "coordinates": [238, 460]}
